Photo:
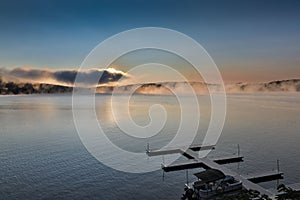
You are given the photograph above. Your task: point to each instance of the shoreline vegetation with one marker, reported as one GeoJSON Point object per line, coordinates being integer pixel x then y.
{"type": "Point", "coordinates": [15, 88]}
{"type": "Point", "coordinates": [11, 88]}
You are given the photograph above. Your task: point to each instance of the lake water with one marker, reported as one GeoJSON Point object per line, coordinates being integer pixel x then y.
{"type": "Point", "coordinates": [42, 157]}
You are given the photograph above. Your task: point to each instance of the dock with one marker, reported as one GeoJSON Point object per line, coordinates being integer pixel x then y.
{"type": "Point", "coordinates": [196, 147]}
{"type": "Point", "coordinates": [265, 176]}
{"type": "Point", "coordinates": [246, 183]}
{"type": "Point", "coordinates": [195, 162]}
{"type": "Point", "coordinates": [228, 160]}
{"type": "Point", "coordinates": [189, 164]}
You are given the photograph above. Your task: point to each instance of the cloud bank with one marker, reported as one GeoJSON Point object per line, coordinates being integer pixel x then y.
{"type": "Point", "coordinates": [60, 77]}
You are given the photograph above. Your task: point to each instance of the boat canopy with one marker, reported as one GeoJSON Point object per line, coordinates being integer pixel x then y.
{"type": "Point", "coordinates": [210, 175]}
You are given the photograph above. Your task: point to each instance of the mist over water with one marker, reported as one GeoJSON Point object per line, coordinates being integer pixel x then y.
{"type": "Point", "coordinates": [42, 157]}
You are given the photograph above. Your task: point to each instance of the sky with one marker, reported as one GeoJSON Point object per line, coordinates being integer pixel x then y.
{"type": "Point", "coordinates": [257, 40]}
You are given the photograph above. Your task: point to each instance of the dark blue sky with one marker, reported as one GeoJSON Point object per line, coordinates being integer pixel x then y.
{"type": "Point", "coordinates": [245, 38]}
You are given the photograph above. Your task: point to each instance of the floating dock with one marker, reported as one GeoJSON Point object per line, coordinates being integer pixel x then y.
{"type": "Point", "coordinates": [264, 177]}
{"type": "Point", "coordinates": [249, 181]}
{"type": "Point", "coordinates": [228, 160]}
{"type": "Point", "coordinates": [246, 183]}
{"type": "Point", "coordinates": [189, 164]}
{"type": "Point", "coordinates": [180, 150]}
{"type": "Point", "coordinates": [192, 163]}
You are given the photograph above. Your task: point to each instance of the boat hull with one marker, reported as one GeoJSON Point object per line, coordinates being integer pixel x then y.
{"type": "Point", "coordinates": [207, 194]}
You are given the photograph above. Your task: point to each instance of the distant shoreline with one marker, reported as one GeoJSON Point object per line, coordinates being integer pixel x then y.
{"type": "Point", "coordinates": [163, 88]}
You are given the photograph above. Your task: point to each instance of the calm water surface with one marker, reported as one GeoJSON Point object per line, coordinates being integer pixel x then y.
{"type": "Point", "coordinates": [42, 157]}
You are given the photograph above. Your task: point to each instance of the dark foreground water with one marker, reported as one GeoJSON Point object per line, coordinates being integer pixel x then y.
{"type": "Point", "coordinates": [42, 157]}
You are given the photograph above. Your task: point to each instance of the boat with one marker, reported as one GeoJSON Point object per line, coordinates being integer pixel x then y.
{"type": "Point", "coordinates": [211, 183]}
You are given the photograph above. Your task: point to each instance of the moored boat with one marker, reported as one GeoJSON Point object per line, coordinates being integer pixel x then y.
{"type": "Point", "coordinates": [210, 184]}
